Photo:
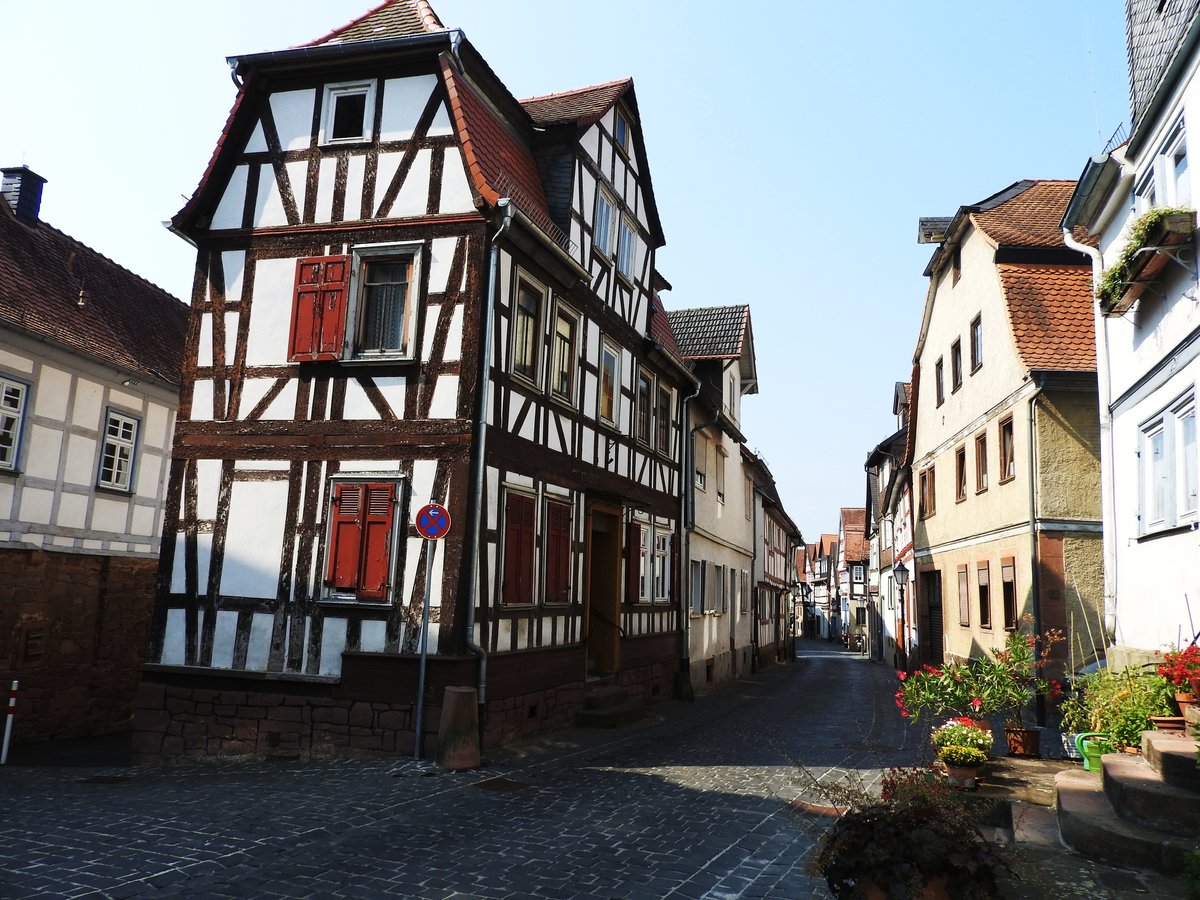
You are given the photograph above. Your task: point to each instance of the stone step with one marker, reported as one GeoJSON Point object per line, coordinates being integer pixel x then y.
{"type": "Point", "coordinates": [1138, 794]}
{"type": "Point", "coordinates": [611, 716]}
{"type": "Point", "coordinates": [1173, 757]}
{"type": "Point", "coordinates": [1090, 826]}
{"type": "Point", "coordinates": [606, 696]}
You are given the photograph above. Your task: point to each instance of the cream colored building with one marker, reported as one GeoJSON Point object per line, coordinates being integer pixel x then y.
{"type": "Point", "coordinates": [1005, 451]}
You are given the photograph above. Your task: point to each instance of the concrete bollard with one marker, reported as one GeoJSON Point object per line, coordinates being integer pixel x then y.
{"type": "Point", "coordinates": [458, 732]}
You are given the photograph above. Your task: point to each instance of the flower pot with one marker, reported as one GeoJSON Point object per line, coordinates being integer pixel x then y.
{"type": "Point", "coordinates": [1184, 699]}
{"type": "Point", "coordinates": [1023, 741]}
{"type": "Point", "coordinates": [962, 776]}
{"type": "Point", "coordinates": [1168, 723]}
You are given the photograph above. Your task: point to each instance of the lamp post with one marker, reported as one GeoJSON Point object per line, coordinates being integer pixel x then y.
{"type": "Point", "coordinates": [900, 573]}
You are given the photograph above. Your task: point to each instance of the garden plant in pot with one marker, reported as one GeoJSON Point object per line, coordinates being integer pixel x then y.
{"type": "Point", "coordinates": [962, 764]}
{"type": "Point", "coordinates": [1117, 704]}
{"type": "Point", "coordinates": [963, 732]}
{"type": "Point", "coordinates": [919, 839]}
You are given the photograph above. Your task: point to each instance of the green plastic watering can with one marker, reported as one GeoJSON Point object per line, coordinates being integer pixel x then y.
{"type": "Point", "coordinates": [1091, 746]}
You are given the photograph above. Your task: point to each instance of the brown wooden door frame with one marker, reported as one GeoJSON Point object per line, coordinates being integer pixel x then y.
{"type": "Point", "coordinates": [605, 651]}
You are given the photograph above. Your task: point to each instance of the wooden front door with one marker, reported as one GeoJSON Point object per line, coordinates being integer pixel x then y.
{"type": "Point", "coordinates": [602, 602]}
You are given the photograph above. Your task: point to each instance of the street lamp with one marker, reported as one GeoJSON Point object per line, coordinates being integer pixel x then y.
{"type": "Point", "coordinates": [900, 573]}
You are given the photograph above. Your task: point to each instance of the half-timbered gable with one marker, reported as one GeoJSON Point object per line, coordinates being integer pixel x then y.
{"type": "Point", "coordinates": [390, 310]}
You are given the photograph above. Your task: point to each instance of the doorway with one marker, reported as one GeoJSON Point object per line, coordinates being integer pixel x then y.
{"type": "Point", "coordinates": [602, 602]}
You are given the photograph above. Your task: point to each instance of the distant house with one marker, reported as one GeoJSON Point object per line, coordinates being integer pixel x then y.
{"type": "Point", "coordinates": [1148, 342]}
{"type": "Point", "coordinates": [820, 563]}
{"type": "Point", "coordinates": [777, 542]}
{"type": "Point", "coordinates": [1004, 432]}
{"type": "Point", "coordinates": [853, 558]}
{"type": "Point", "coordinates": [90, 358]}
{"type": "Point", "coordinates": [718, 551]}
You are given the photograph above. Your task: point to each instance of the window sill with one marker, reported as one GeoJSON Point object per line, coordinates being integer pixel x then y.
{"type": "Point", "coordinates": [1008, 480]}
{"type": "Point", "coordinates": [980, 490]}
{"type": "Point", "coordinates": [361, 359]}
{"type": "Point", "coordinates": [1167, 531]}
{"type": "Point", "coordinates": [353, 603]}
{"type": "Point", "coordinates": [114, 491]}
{"type": "Point", "coordinates": [565, 402]}
{"type": "Point", "coordinates": [975, 369]}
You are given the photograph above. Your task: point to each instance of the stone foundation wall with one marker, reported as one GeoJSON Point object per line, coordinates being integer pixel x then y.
{"type": "Point", "coordinates": [73, 631]}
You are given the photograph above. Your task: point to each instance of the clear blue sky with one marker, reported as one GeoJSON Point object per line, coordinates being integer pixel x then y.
{"type": "Point", "coordinates": [792, 145]}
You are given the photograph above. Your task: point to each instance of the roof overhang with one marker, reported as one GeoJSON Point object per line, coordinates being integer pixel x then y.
{"type": "Point", "coordinates": [1092, 191]}
{"type": "Point", "coordinates": [296, 57]}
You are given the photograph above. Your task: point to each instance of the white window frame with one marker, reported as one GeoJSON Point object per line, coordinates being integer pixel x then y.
{"type": "Point", "coordinates": [700, 462]}
{"type": "Point", "coordinates": [116, 480]}
{"type": "Point", "coordinates": [621, 135]}
{"type": "Point", "coordinates": [15, 415]}
{"type": "Point", "coordinates": [1176, 186]}
{"type": "Point", "coordinates": [626, 245]}
{"type": "Point", "coordinates": [609, 349]}
{"type": "Point", "coordinates": [543, 302]}
{"type": "Point", "coordinates": [856, 572]}
{"type": "Point", "coordinates": [356, 307]}
{"type": "Point", "coordinates": [1145, 196]}
{"type": "Point", "coordinates": [364, 87]}
{"type": "Point", "coordinates": [696, 587]}
{"type": "Point", "coordinates": [662, 566]}
{"type": "Point", "coordinates": [1170, 476]}
{"type": "Point", "coordinates": [604, 233]}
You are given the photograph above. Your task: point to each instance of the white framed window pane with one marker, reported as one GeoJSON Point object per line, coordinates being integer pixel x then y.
{"type": "Point", "coordinates": [1183, 191]}
{"type": "Point", "coordinates": [625, 250]}
{"type": "Point", "coordinates": [608, 385]}
{"type": "Point", "coordinates": [604, 217]}
{"type": "Point", "coordinates": [12, 405]}
{"type": "Point", "coordinates": [116, 456]}
{"type": "Point", "coordinates": [1188, 476]}
{"type": "Point", "coordinates": [564, 355]}
{"type": "Point", "coordinates": [1156, 476]}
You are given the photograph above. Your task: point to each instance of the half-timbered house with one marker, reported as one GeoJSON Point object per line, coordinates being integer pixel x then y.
{"type": "Point", "coordinates": [413, 287]}
{"type": "Point", "coordinates": [775, 575]}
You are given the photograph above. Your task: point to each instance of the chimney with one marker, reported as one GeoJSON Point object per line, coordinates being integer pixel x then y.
{"type": "Point", "coordinates": [22, 190]}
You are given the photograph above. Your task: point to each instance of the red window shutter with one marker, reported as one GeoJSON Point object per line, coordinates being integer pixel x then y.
{"type": "Point", "coordinates": [517, 584]}
{"type": "Point", "coordinates": [375, 557]}
{"type": "Point", "coordinates": [633, 558]}
{"type": "Point", "coordinates": [319, 308]}
{"type": "Point", "coordinates": [345, 537]}
{"type": "Point", "coordinates": [558, 553]}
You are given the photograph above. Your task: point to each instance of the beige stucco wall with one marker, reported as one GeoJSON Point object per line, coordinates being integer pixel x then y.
{"type": "Point", "coordinates": [1068, 449]}
{"type": "Point", "coordinates": [973, 639]}
{"type": "Point", "coordinates": [1083, 573]}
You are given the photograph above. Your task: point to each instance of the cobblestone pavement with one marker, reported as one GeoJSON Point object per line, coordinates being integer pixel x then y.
{"type": "Point", "coordinates": [692, 803]}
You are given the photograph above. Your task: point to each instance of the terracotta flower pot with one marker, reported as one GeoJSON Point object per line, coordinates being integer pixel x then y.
{"type": "Point", "coordinates": [1168, 723]}
{"type": "Point", "coordinates": [1184, 700]}
{"type": "Point", "coordinates": [962, 776]}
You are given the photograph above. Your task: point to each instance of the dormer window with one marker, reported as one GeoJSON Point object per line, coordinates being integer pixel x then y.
{"type": "Point", "coordinates": [349, 109]}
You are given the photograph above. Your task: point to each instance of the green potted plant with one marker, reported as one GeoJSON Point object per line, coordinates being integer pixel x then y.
{"type": "Point", "coordinates": [918, 839]}
{"type": "Point", "coordinates": [1182, 669]}
{"type": "Point", "coordinates": [962, 764]}
{"type": "Point", "coordinates": [1119, 704]}
{"type": "Point", "coordinates": [962, 732]}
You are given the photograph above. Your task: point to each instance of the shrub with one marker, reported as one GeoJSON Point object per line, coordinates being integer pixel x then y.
{"type": "Point", "coordinates": [1117, 703]}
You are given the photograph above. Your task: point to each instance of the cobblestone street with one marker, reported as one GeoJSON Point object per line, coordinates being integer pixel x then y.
{"type": "Point", "coordinates": [693, 802]}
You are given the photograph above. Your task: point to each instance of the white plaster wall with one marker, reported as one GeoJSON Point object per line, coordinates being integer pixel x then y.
{"type": "Point", "coordinates": [413, 197]}
{"type": "Point", "coordinates": [257, 510]}
{"type": "Point", "coordinates": [404, 100]}
{"type": "Point", "coordinates": [293, 112]}
{"type": "Point", "coordinates": [229, 209]}
{"type": "Point", "coordinates": [441, 257]}
{"type": "Point", "coordinates": [453, 351]}
{"type": "Point", "coordinates": [356, 170]}
{"type": "Point", "coordinates": [456, 191]}
{"type": "Point", "coordinates": [270, 313]}
{"type": "Point", "coordinates": [445, 398]}
{"type": "Point", "coordinates": [325, 184]}
{"type": "Point", "coordinates": [224, 633]}
{"type": "Point", "coordinates": [268, 204]}
{"type": "Point", "coordinates": [52, 394]}
{"type": "Point", "coordinates": [357, 405]}
{"type": "Point", "coordinates": [258, 141]}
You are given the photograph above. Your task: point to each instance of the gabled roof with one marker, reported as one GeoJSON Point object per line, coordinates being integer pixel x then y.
{"type": "Point", "coordinates": [125, 321]}
{"type": "Point", "coordinates": [1050, 311]}
{"type": "Point", "coordinates": [660, 326]}
{"type": "Point", "coordinates": [581, 107]}
{"type": "Point", "coordinates": [713, 332]}
{"type": "Point", "coordinates": [392, 19]}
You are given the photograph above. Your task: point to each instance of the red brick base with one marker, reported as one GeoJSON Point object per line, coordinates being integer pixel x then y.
{"type": "Point", "coordinates": [73, 631]}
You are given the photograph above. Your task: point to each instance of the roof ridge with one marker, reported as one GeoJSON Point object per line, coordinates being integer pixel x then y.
{"type": "Point", "coordinates": [745, 306]}
{"type": "Point", "coordinates": [429, 19]}
{"type": "Point", "coordinates": [628, 79]}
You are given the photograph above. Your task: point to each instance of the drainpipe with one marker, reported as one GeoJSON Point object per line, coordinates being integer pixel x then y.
{"type": "Point", "coordinates": [473, 544]}
{"type": "Point", "coordinates": [686, 519]}
{"type": "Point", "coordinates": [1034, 557]}
{"type": "Point", "coordinates": [1107, 478]}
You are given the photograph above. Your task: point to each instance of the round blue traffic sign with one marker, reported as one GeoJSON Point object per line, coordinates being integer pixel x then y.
{"type": "Point", "coordinates": [433, 521]}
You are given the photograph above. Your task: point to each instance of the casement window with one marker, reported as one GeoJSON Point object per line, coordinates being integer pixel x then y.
{"type": "Point", "coordinates": [938, 383]}
{"type": "Point", "coordinates": [1008, 588]}
{"type": "Point", "coordinates": [13, 397]}
{"type": "Point", "coordinates": [527, 315]}
{"type": "Point", "coordinates": [955, 366]}
{"type": "Point", "coordinates": [1008, 461]}
{"type": "Point", "coordinates": [610, 383]}
{"type": "Point", "coordinates": [348, 112]}
{"type": "Point", "coordinates": [697, 587]}
{"type": "Point", "coordinates": [604, 233]}
{"type": "Point", "coordinates": [964, 598]}
{"type": "Point", "coordinates": [928, 493]}
{"type": "Point", "coordinates": [719, 590]}
{"type": "Point", "coordinates": [701, 461]}
{"type": "Point", "coordinates": [558, 552]}
{"type": "Point", "coordinates": [1167, 463]}
{"type": "Point", "coordinates": [721, 461]}
{"type": "Point", "coordinates": [621, 131]}
{"type": "Point", "coordinates": [361, 306]}
{"type": "Point", "coordinates": [856, 573]}
{"type": "Point", "coordinates": [645, 397]}
{"type": "Point", "coordinates": [1145, 196]}
{"type": "Point", "coordinates": [662, 420]}
{"type": "Point", "coordinates": [1173, 164]}
{"type": "Point", "coordinates": [626, 244]}
{"type": "Point", "coordinates": [359, 558]}
{"type": "Point", "coordinates": [976, 343]}
{"type": "Point", "coordinates": [662, 566]}
{"type": "Point", "coordinates": [516, 585]}
{"type": "Point", "coordinates": [860, 616]}
{"type": "Point", "coordinates": [748, 487]}
{"type": "Point", "coordinates": [118, 451]}
{"type": "Point", "coordinates": [985, 599]}
{"type": "Point", "coordinates": [562, 373]}
{"type": "Point", "coordinates": [960, 474]}
{"type": "Point", "coordinates": [981, 467]}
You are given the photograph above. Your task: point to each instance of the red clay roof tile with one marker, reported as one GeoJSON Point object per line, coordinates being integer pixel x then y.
{"type": "Point", "coordinates": [1031, 218]}
{"type": "Point", "coordinates": [1050, 311]}
{"type": "Point", "coordinates": [582, 106]}
{"type": "Point", "coordinates": [394, 18]}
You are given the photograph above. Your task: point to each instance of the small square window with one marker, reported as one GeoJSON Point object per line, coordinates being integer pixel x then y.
{"type": "Point", "coordinates": [361, 540]}
{"type": "Point", "coordinates": [981, 469]}
{"type": "Point", "coordinates": [927, 494]}
{"type": "Point", "coordinates": [621, 131]}
{"type": "Point", "coordinates": [722, 457]}
{"type": "Point", "coordinates": [1008, 463]}
{"type": "Point", "coordinates": [349, 112]}
{"type": "Point", "coordinates": [960, 474]}
{"type": "Point", "coordinates": [118, 452]}
{"type": "Point", "coordinates": [701, 461]}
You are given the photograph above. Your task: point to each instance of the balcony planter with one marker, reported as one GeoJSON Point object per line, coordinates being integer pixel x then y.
{"type": "Point", "coordinates": [1125, 281]}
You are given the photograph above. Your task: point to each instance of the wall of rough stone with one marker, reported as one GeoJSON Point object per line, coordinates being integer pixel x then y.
{"type": "Point", "coordinates": [73, 631]}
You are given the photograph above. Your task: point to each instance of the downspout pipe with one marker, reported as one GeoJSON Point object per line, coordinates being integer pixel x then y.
{"type": "Point", "coordinates": [483, 392]}
{"type": "Point", "coordinates": [1107, 478]}
{"type": "Point", "coordinates": [1035, 565]}
{"type": "Point", "coordinates": [687, 520]}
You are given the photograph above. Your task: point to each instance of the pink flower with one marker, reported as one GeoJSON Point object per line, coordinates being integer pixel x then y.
{"type": "Point", "coordinates": [976, 702]}
{"type": "Point", "coordinates": [904, 712]}
{"type": "Point", "coordinates": [901, 675]}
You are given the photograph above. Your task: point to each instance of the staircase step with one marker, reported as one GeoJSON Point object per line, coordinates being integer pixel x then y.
{"type": "Point", "coordinates": [1090, 826]}
{"type": "Point", "coordinates": [1138, 793]}
{"type": "Point", "coordinates": [603, 697]}
{"type": "Point", "coordinates": [611, 716]}
{"type": "Point", "coordinates": [1173, 757]}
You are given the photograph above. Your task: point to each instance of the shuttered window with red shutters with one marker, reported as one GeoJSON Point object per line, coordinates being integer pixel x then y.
{"type": "Point", "coordinates": [517, 584]}
{"type": "Point", "coordinates": [319, 308]}
{"type": "Point", "coordinates": [361, 521]}
{"type": "Point", "coordinates": [558, 552]}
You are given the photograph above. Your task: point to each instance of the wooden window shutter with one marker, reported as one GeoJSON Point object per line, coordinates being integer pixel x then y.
{"type": "Point", "coordinates": [558, 553]}
{"type": "Point", "coordinates": [319, 308]}
{"type": "Point", "coordinates": [345, 537]}
{"type": "Point", "coordinates": [633, 562]}
{"type": "Point", "coordinates": [375, 557]}
{"type": "Point", "coordinates": [517, 584]}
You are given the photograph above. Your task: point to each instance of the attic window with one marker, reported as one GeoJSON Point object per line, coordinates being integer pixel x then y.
{"type": "Point", "coordinates": [347, 107]}
{"type": "Point", "coordinates": [621, 131]}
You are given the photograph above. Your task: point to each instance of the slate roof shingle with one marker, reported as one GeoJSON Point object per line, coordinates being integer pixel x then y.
{"type": "Point", "coordinates": [125, 320]}
{"type": "Point", "coordinates": [712, 332]}
{"type": "Point", "coordinates": [1050, 311]}
{"type": "Point", "coordinates": [392, 19]}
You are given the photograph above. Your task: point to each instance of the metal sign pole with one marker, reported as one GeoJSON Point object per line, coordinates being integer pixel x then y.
{"type": "Point", "coordinates": [430, 548]}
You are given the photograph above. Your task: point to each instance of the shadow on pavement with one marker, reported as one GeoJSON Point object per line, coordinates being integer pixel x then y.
{"type": "Point", "coordinates": [103, 751]}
